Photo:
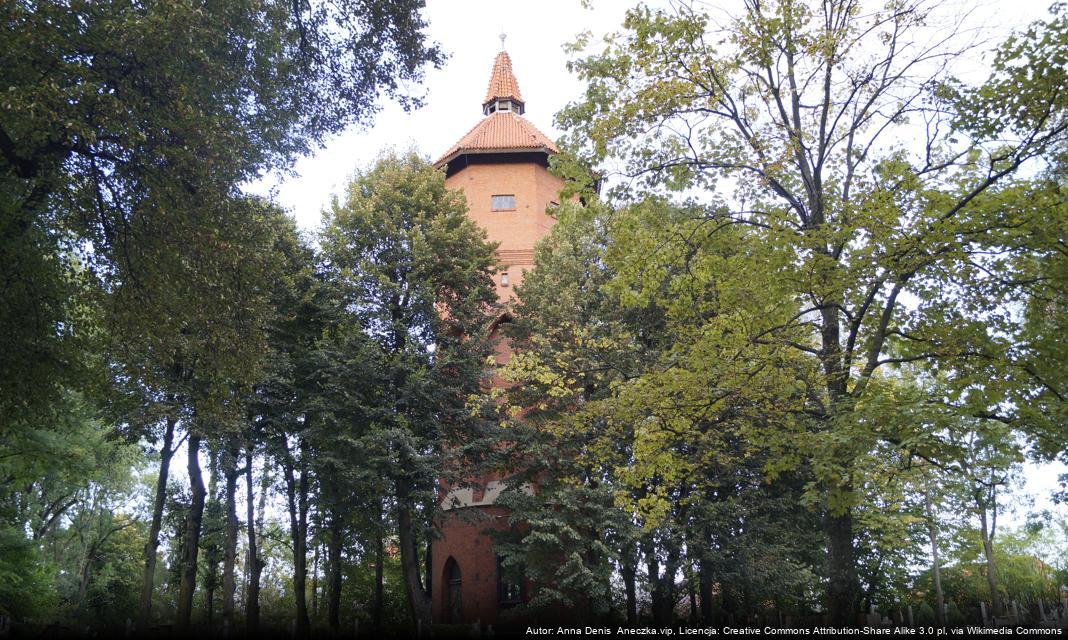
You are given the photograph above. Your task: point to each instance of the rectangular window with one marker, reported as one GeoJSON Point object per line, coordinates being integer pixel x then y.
{"type": "Point", "coordinates": [509, 584]}
{"type": "Point", "coordinates": [504, 202]}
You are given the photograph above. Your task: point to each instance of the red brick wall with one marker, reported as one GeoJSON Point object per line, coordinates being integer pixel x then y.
{"type": "Point", "coordinates": [463, 538]}
{"type": "Point", "coordinates": [465, 541]}
{"type": "Point", "coordinates": [517, 231]}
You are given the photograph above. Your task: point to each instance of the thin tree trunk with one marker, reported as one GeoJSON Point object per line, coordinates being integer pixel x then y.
{"type": "Point", "coordinates": [230, 471]}
{"type": "Point", "coordinates": [315, 583]}
{"type": "Point", "coordinates": [242, 585]}
{"type": "Point", "coordinates": [301, 551]}
{"type": "Point", "coordinates": [152, 545]}
{"type": "Point", "coordinates": [297, 497]}
{"type": "Point", "coordinates": [936, 565]}
{"type": "Point", "coordinates": [211, 552]}
{"type": "Point", "coordinates": [428, 565]}
{"type": "Point", "coordinates": [691, 587]}
{"type": "Point", "coordinates": [333, 555]}
{"type": "Point", "coordinates": [991, 573]}
{"type": "Point", "coordinates": [667, 585]}
{"type": "Point", "coordinates": [83, 581]}
{"type": "Point", "coordinates": [376, 612]}
{"type": "Point", "coordinates": [656, 587]}
{"type": "Point", "coordinates": [630, 576]}
{"type": "Point", "coordinates": [418, 599]}
{"type": "Point", "coordinates": [209, 604]}
{"type": "Point", "coordinates": [255, 565]}
{"type": "Point", "coordinates": [706, 592]}
{"type": "Point", "coordinates": [192, 536]}
{"type": "Point", "coordinates": [842, 586]}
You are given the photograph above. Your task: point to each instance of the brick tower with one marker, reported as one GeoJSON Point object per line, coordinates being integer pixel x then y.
{"type": "Point", "coordinates": [501, 165]}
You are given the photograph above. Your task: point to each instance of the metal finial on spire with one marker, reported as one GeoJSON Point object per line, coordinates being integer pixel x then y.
{"type": "Point", "coordinates": [502, 37]}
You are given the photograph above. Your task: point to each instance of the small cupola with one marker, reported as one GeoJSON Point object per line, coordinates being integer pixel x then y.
{"type": "Point", "coordinates": [503, 95]}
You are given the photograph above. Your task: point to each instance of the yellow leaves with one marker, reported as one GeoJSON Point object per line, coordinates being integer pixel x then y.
{"type": "Point", "coordinates": [654, 510]}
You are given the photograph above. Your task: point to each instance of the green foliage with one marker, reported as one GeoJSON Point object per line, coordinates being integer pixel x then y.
{"type": "Point", "coordinates": [358, 592]}
{"type": "Point", "coordinates": [25, 578]}
{"type": "Point", "coordinates": [925, 614]}
{"type": "Point", "coordinates": [69, 549]}
{"type": "Point", "coordinates": [128, 129]}
{"type": "Point", "coordinates": [856, 252]}
{"type": "Point", "coordinates": [785, 316]}
{"type": "Point", "coordinates": [645, 429]}
{"type": "Point", "coordinates": [413, 276]}
{"type": "Point", "coordinates": [137, 274]}
{"type": "Point", "coordinates": [113, 588]}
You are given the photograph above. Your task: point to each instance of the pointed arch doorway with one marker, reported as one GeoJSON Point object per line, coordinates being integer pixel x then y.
{"type": "Point", "coordinates": [452, 580]}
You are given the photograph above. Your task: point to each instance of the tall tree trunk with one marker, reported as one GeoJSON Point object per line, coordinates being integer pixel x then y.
{"type": "Point", "coordinates": [297, 498]}
{"type": "Point", "coordinates": [936, 565]}
{"type": "Point", "coordinates": [988, 552]}
{"type": "Point", "coordinates": [209, 604]}
{"type": "Point", "coordinates": [144, 616]}
{"type": "Point", "coordinates": [300, 552]}
{"type": "Point", "coordinates": [230, 471]}
{"type": "Point", "coordinates": [255, 565]}
{"type": "Point", "coordinates": [662, 588]}
{"type": "Point", "coordinates": [668, 589]}
{"type": "Point", "coordinates": [706, 591]}
{"type": "Point", "coordinates": [691, 588]}
{"type": "Point", "coordinates": [83, 581]}
{"type": "Point", "coordinates": [211, 552]}
{"type": "Point", "coordinates": [333, 562]}
{"type": "Point", "coordinates": [630, 576]}
{"type": "Point", "coordinates": [428, 565]}
{"type": "Point", "coordinates": [656, 584]}
{"type": "Point", "coordinates": [418, 598]}
{"type": "Point", "coordinates": [191, 547]}
{"type": "Point", "coordinates": [315, 583]}
{"type": "Point", "coordinates": [380, 534]}
{"type": "Point", "coordinates": [842, 586]}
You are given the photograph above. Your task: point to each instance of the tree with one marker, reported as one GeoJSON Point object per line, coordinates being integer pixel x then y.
{"type": "Point", "coordinates": [66, 528]}
{"type": "Point", "coordinates": [786, 108]}
{"type": "Point", "coordinates": [285, 402]}
{"type": "Point", "coordinates": [128, 131]}
{"type": "Point", "coordinates": [414, 273]}
{"type": "Point", "coordinates": [114, 139]}
{"type": "Point", "coordinates": [636, 418]}
{"type": "Point", "coordinates": [986, 466]}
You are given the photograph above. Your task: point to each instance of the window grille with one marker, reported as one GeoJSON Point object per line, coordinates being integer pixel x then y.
{"type": "Point", "coordinates": [503, 202]}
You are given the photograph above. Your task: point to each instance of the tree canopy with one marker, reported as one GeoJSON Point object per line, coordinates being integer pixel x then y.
{"type": "Point", "coordinates": [785, 367]}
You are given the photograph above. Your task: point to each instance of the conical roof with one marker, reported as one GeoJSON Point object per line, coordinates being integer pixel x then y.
{"type": "Point", "coordinates": [502, 82]}
{"type": "Point", "coordinates": [504, 131]}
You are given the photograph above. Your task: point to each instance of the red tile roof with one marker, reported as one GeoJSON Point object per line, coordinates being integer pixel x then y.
{"type": "Point", "coordinates": [502, 82]}
{"type": "Point", "coordinates": [500, 132]}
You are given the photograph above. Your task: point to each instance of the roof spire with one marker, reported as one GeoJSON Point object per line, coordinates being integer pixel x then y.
{"type": "Point", "coordinates": [503, 91]}
{"type": "Point", "coordinates": [502, 37]}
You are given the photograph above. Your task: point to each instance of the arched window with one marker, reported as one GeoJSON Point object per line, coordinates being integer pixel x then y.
{"type": "Point", "coordinates": [453, 604]}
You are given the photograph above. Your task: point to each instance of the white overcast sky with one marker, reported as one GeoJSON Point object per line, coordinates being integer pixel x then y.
{"type": "Point", "coordinates": [469, 32]}
{"type": "Point", "coordinates": [536, 34]}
